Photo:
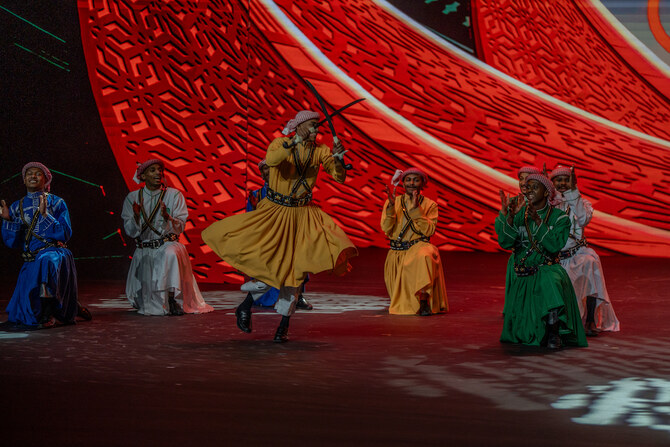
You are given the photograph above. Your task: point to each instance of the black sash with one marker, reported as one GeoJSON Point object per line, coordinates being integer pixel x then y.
{"type": "Point", "coordinates": [302, 169]}
{"type": "Point", "coordinates": [148, 221]}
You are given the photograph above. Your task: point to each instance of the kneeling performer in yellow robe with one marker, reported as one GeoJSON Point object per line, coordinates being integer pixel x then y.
{"type": "Point", "coordinates": [413, 270]}
{"type": "Point", "coordinates": [286, 236]}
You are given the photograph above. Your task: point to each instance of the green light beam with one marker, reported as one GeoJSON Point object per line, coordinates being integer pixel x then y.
{"type": "Point", "coordinates": [41, 57]}
{"type": "Point", "coordinates": [76, 178]}
{"type": "Point", "coordinates": [110, 235]}
{"type": "Point", "coordinates": [31, 23]}
{"type": "Point", "coordinates": [10, 178]}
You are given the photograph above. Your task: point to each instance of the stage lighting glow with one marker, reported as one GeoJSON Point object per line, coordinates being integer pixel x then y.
{"type": "Point", "coordinates": [636, 401]}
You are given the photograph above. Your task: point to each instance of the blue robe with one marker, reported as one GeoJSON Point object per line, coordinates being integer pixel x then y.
{"type": "Point", "coordinates": [53, 266]}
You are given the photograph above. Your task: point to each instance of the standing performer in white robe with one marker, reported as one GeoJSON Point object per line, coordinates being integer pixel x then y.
{"type": "Point", "coordinates": [160, 280]}
{"type": "Point", "coordinates": [581, 262]}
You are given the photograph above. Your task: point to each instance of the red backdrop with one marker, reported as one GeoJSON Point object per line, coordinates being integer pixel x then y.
{"type": "Point", "coordinates": [206, 85]}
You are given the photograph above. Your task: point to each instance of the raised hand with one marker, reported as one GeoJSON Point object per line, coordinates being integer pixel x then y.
{"type": "Point", "coordinates": [415, 200]}
{"type": "Point", "coordinates": [532, 213]}
{"type": "Point", "coordinates": [164, 211]}
{"type": "Point", "coordinates": [302, 132]}
{"type": "Point", "coordinates": [137, 209]}
{"type": "Point", "coordinates": [573, 178]}
{"type": "Point", "coordinates": [4, 210]}
{"type": "Point", "coordinates": [43, 205]}
{"type": "Point", "coordinates": [504, 203]}
{"type": "Point", "coordinates": [337, 147]}
{"type": "Point", "coordinates": [391, 195]}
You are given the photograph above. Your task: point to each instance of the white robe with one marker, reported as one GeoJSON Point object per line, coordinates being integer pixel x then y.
{"type": "Point", "coordinates": [584, 267]}
{"type": "Point", "coordinates": [154, 272]}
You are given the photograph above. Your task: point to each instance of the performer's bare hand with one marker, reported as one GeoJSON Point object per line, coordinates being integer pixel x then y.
{"type": "Point", "coordinates": [532, 213]}
{"type": "Point", "coordinates": [415, 200]}
{"type": "Point", "coordinates": [504, 203]}
{"type": "Point", "coordinates": [137, 208]}
{"type": "Point", "coordinates": [164, 211]}
{"type": "Point", "coordinates": [573, 178]}
{"type": "Point", "coordinates": [337, 148]}
{"type": "Point", "coordinates": [303, 132]}
{"type": "Point", "coordinates": [391, 195]}
{"type": "Point", "coordinates": [4, 210]}
{"type": "Point", "coordinates": [43, 205]}
{"type": "Point", "coordinates": [253, 200]}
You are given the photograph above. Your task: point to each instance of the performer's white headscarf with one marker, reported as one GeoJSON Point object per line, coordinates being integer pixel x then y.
{"type": "Point", "coordinates": [399, 175]}
{"type": "Point", "coordinates": [44, 169]}
{"type": "Point", "coordinates": [528, 170]}
{"type": "Point", "coordinates": [143, 167]}
{"type": "Point", "coordinates": [300, 117]}
{"type": "Point", "coordinates": [560, 170]}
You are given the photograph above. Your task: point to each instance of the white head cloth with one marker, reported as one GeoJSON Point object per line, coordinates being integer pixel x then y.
{"type": "Point", "coordinates": [300, 117]}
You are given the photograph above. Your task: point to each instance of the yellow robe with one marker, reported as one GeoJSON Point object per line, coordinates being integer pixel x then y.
{"type": "Point", "coordinates": [280, 245]}
{"type": "Point", "coordinates": [408, 272]}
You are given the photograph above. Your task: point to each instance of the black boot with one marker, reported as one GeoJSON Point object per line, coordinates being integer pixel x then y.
{"type": "Point", "coordinates": [45, 319]}
{"type": "Point", "coordinates": [553, 337]}
{"type": "Point", "coordinates": [424, 308]}
{"type": "Point", "coordinates": [243, 314]}
{"type": "Point", "coordinates": [303, 304]}
{"type": "Point", "coordinates": [84, 313]}
{"type": "Point", "coordinates": [174, 307]}
{"type": "Point", "coordinates": [591, 330]}
{"type": "Point", "coordinates": [281, 336]}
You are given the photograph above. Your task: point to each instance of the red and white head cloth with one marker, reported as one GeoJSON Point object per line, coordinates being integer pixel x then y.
{"type": "Point", "coordinates": [553, 197]}
{"type": "Point", "coordinates": [300, 117]}
{"type": "Point", "coordinates": [261, 164]}
{"type": "Point", "coordinates": [399, 175]}
{"type": "Point", "coordinates": [528, 170]}
{"type": "Point", "coordinates": [143, 167]}
{"type": "Point", "coordinates": [560, 170]}
{"type": "Point", "coordinates": [44, 169]}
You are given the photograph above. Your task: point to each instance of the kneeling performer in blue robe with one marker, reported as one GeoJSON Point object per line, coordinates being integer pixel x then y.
{"type": "Point", "coordinates": [39, 225]}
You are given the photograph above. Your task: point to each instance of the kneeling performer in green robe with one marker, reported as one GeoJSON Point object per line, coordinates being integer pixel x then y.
{"type": "Point", "coordinates": [540, 304]}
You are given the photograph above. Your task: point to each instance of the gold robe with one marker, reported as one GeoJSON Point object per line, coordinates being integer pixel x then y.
{"type": "Point", "coordinates": [408, 272]}
{"type": "Point", "coordinates": [280, 245]}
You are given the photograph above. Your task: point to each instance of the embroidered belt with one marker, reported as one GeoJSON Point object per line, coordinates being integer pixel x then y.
{"type": "Point", "coordinates": [565, 254]}
{"type": "Point", "coordinates": [155, 243]}
{"type": "Point", "coordinates": [29, 256]}
{"type": "Point", "coordinates": [281, 199]}
{"type": "Point", "coordinates": [405, 245]}
{"type": "Point", "coordinates": [524, 270]}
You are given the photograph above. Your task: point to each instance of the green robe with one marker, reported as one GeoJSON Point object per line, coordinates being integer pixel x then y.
{"type": "Point", "coordinates": [528, 299]}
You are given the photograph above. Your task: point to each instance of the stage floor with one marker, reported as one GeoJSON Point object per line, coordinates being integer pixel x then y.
{"type": "Point", "coordinates": [350, 375]}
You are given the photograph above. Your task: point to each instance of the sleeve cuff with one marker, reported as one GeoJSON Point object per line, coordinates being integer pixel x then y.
{"type": "Point", "coordinates": [507, 229]}
{"type": "Point", "coordinates": [46, 222]}
{"type": "Point", "coordinates": [11, 225]}
{"type": "Point", "coordinates": [572, 195]}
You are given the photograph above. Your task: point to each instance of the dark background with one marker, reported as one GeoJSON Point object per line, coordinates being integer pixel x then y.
{"type": "Point", "coordinates": [49, 115]}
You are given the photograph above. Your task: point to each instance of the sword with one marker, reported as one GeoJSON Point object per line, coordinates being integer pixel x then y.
{"type": "Point", "coordinates": [297, 139]}
{"type": "Point", "coordinates": [328, 119]}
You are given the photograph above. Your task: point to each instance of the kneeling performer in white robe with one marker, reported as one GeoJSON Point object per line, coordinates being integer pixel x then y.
{"type": "Point", "coordinates": [160, 280]}
{"type": "Point", "coordinates": [582, 262]}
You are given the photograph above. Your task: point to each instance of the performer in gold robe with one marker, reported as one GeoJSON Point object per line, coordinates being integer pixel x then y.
{"type": "Point", "coordinates": [413, 270]}
{"type": "Point", "coordinates": [286, 236]}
